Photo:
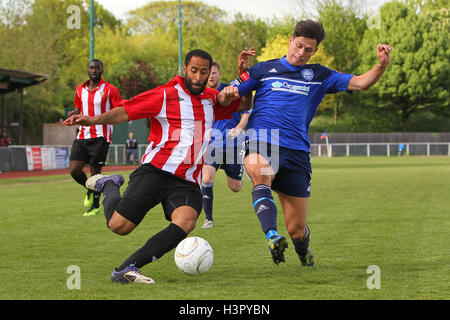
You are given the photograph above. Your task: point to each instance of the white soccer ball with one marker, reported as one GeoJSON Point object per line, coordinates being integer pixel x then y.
{"type": "Point", "coordinates": [194, 255]}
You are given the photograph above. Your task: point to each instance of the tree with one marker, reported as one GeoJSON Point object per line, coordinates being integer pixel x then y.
{"type": "Point", "coordinates": [241, 33]}
{"type": "Point", "coordinates": [418, 76]}
{"type": "Point", "coordinates": [138, 79]}
{"type": "Point", "coordinates": [203, 26]}
{"type": "Point", "coordinates": [344, 32]}
{"type": "Point", "coordinates": [156, 27]}
{"type": "Point", "coordinates": [35, 37]}
{"type": "Point", "coordinates": [162, 17]}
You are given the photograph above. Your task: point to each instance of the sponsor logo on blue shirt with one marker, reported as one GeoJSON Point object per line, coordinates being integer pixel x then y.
{"type": "Point", "coordinates": [285, 86]}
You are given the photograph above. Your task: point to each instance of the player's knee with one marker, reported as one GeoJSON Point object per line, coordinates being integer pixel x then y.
{"type": "Point", "coordinates": [207, 180]}
{"type": "Point", "coordinates": [119, 228]}
{"type": "Point", "coordinates": [260, 174]}
{"type": "Point", "coordinates": [188, 225]}
{"type": "Point", "coordinates": [235, 187]}
{"type": "Point", "coordinates": [261, 179]}
{"type": "Point", "coordinates": [185, 217]}
{"type": "Point", "coordinates": [75, 171]}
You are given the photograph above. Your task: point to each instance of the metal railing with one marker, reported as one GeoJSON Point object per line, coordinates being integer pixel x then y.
{"type": "Point", "coordinates": [117, 151]}
{"type": "Point", "coordinates": [117, 154]}
{"type": "Point", "coordinates": [381, 149]}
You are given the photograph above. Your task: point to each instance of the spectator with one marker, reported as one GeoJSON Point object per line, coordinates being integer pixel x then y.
{"type": "Point", "coordinates": [131, 146]}
{"type": "Point", "coordinates": [4, 139]}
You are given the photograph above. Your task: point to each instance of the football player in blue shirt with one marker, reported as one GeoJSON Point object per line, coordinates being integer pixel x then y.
{"type": "Point", "coordinates": [223, 151]}
{"type": "Point", "coordinates": [287, 94]}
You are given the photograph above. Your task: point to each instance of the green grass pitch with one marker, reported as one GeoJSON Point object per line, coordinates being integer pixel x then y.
{"type": "Point", "coordinates": [389, 212]}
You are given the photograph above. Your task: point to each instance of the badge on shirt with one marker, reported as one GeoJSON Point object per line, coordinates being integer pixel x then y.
{"type": "Point", "coordinates": [308, 74]}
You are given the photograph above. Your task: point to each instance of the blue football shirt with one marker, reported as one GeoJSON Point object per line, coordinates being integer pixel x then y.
{"type": "Point", "coordinates": [286, 99]}
{"type": "Point", "coordinates": [224, 126]}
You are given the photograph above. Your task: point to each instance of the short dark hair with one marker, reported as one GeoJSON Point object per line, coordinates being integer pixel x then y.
{"type": "Point", "coordinates": [198, 53]}
{"type": "Point", "coordinates": [96, 60]}
{"type": "Point", "coordinates": [215, 63]}
{"type": "Point", "coordinates": [309, 29]}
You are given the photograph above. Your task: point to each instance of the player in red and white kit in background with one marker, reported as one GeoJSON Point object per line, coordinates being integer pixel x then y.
{"type": "Point", "coordinates": [92, 98]}
{"type": "Point", "coordinates": [182, 113]}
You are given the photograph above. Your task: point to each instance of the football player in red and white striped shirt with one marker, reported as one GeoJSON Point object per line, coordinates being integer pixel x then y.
{"type": "Point", "coordinates": [94, 97]}
{"type": "Point", "coordinates": [182, 113]}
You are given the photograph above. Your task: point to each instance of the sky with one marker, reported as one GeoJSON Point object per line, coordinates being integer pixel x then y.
{"type": "Point", "coordinates": [265, 9]}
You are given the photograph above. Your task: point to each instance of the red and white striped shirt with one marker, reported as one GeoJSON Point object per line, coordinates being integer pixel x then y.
{"type": "Point", "coordinates": [181, 126]}
{"type": "Point", "coordinates": [93, 103]}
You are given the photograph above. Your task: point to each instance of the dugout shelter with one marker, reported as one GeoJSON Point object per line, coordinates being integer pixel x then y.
{"type": "Point", "coordinates": [16, 81]}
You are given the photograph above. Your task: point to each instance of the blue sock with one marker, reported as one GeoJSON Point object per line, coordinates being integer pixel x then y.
{"type": "Point", "coordinates": [265, 209]}
{"type": "Point", "coordinates": [208, 196]}
{"type": "Point", "coordinates": [301, 247]}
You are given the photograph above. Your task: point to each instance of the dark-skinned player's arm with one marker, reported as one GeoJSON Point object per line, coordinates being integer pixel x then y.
{"type": "Point", "coordinates": [78, 104]}
{"type": "Point", "coordinates": [71, 113]}
{"type": "Point", "coordinates": [116, 115]}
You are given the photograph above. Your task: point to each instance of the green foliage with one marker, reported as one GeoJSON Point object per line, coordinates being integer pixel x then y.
{"type": "Point", "coordinates": [47, 46]}
{"type": "Point", "coordinates": [139, 78]}
{"type": "Point", "coordinates": [203, 26]}
{"type": "Point", "coordinates": [419, 75]}
{"type": "Point", "coordinates": [160, 17]}
{"type": "Point", "coordinates": [241, 34]}
{"type": "Point", "coordinates": [344, 31]}
{"type": "Point", "coordinates": [34, 37]}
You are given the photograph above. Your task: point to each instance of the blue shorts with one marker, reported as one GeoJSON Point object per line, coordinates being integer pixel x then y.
{"type": "Point", "coordinates": [292, 168]}
{"type": "Point", "coordinates": [230, 161]}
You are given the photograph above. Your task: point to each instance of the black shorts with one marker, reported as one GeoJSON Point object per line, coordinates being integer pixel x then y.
{"type": "Point", "coordinates": [93, 151]}
{"type": "Point", "coordinates": [149, 186]}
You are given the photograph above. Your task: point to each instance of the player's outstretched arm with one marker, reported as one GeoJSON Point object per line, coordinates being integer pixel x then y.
{"type": "Point", "coordinates": [368, 79]}
{"type": "Point", "coordinates": [116, 115]}
{"type": "Point", "coordinates": [74, 112]}
{"type": "Point", "coordinates": [243, 59]}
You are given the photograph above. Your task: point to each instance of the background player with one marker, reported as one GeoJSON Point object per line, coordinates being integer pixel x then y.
{"type": "Point", "coordinates": [221, 145]}
{"type": "Point", "coordinates": [288, 92]}
{"type": "Point", "coordinates": [92, 98]}
{"type": "Point", "coordinates": [182, 113]}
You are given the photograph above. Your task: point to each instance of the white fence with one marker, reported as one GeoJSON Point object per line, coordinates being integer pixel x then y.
{"type": "Point", "coordinates": [117, 151]}
{"type": "Point", "coordinates": [381, 149]}
{"type": "Point", "coordinates": [117, 155]}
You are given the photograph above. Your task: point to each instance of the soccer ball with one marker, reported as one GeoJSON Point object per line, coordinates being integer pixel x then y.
{"type": "Point", "coordinates": [194, 255]}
